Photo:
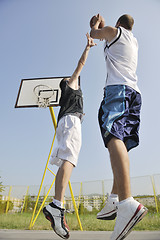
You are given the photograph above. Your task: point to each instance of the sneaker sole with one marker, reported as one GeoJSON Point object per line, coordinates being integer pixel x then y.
{"type": "Point", "coordinates": [137, 217]}
{"type": "Point", "coordinates": [49, 217]}
{"type": "Point", "coordinates": [106, 217]}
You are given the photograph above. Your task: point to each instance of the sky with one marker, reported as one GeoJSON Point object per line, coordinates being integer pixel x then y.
{"type": "Point", "coordinates": [45, 38]}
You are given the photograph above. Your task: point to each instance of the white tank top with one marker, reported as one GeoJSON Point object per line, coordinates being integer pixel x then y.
{"type": "Point", "coordinates": [121, 55]}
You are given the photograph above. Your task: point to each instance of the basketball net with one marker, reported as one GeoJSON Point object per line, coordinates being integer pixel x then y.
{"type": "Point", "coordinates": [43, 94]}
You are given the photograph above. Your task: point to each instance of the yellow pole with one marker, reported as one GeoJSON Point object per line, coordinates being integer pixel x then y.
{"type": "Point", "coordinates": [42, 181]}
{"type": "Point", "coordinates": [74, 204]}
{"type": "Point", "coordinates": [55, 125]}
{"type": "Point", "coordinates": [154, 190]}
{"type": "Point", "coordinates": [25, 199]}
{"type": "Point", "coordinates": [51, 172]}
{"type": "Point", "coordinates": [9, 194]}
{"type": "Point", "coordinates": [53, 117]}
{"type": "Point", "coordinates": [43, 202]}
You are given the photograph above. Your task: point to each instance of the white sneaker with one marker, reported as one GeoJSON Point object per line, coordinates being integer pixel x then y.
{"type": "Point", "coordinates": [129, 213]}
{"type": "Point", "coordinates": [109, 212]}
{"type": "Point", "coordinates": [56, 216]}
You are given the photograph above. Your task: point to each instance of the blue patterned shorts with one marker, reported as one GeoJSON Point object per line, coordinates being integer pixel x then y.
{"type": "Point", "coordinates": [119, 115]}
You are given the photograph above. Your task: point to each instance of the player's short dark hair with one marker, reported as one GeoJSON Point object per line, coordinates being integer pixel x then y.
{"type": "Point", "coordinates": [126, 21]}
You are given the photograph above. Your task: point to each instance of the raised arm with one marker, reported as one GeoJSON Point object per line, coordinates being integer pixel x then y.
{"type": "Point", "coordinates": [107, 33]}
{"type": "Point", "coordinates": [73, 81]}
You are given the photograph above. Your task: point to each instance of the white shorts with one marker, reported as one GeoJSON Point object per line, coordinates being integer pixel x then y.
{"type": "Point", "coordinates": [69, 140]}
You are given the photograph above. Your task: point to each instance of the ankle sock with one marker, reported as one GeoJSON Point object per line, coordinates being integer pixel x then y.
{"type": "Point", "coordinates": [113, 196]}
{"type": "Point", "coordinates": [126, 200]}
{"type": "Point", "coordinates": [58, 203]}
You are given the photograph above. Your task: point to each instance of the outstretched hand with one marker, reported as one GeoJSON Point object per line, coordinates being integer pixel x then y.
{"type": "Point", "coordinates": [90, 42]}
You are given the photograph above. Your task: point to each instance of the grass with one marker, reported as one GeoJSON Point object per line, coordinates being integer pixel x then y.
{"type": "Point", "coordinates": [89, 222]}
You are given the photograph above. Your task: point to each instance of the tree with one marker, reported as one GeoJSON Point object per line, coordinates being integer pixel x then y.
{"type": "Point", "coordinates": [1, 187]}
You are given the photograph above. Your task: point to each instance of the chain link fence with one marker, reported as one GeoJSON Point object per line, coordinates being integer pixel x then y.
{"type": "Point", "coordinates": [91, 194]}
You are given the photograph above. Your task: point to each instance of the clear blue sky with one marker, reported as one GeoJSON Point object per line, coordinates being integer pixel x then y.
{"type": "Point", "coordinates": [45, 38]}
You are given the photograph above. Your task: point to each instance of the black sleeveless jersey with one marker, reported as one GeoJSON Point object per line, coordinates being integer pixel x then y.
{"type": "Point", "coordinates": [71, 101]}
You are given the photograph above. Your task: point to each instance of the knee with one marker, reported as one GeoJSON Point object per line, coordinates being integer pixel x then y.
{"type": "Point", "coordinates": [114, 145]}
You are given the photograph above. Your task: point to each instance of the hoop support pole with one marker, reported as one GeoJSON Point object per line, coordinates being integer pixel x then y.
{"type": "Point", "coordinates": [25, 199]}
{"type": "Point", "coordinates": [75, 207]}
{"type": "Point", "coordinates": [9, 195]}
{"type": "Point", "coordinates": [31, 222]}
{"type": "Point", "coordinates": [53, 117]}
{"type": "Point", "coordinates": [43, 201]}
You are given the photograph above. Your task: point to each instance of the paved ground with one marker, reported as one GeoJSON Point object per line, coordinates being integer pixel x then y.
{"type": "Point", "coordinates": [75, 235]}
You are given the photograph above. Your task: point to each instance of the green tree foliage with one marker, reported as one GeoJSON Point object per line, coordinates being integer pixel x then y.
{"type": "Point", "coordinates": [1, 187]}
{"type": "Point", "coordinates": [3, 205]}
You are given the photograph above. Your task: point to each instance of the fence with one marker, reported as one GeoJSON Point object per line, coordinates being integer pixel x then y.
{"type": "Point", "coordinates": [91, 194]}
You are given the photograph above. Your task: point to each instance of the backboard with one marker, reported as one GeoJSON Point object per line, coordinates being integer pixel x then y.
{"type": "Point", "coordinates": [39, 92]}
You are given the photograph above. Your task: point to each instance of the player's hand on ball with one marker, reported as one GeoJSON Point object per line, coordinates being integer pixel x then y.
{"type": "Point", "coordinates": [90, 42]}
{"type": "Point", "coordinates": [98, 18]}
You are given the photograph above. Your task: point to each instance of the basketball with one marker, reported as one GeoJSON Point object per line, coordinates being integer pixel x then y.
{"type": "Point", "coordinates": [93, 20]}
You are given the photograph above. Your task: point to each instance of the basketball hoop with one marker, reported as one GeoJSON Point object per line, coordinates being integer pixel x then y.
{"type": "Point", "coordinates": [43, 94]}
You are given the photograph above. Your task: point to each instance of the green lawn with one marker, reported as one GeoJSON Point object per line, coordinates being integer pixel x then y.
{"type": "Point", "coordinates": [89, 222]}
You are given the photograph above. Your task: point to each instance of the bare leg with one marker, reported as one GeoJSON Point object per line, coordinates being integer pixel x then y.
{"type": "Point", "coordinates": [62, 178]}
{"type": "Point", "coordinates": [120, 166]}
{"type": "Point", "coordinates": [114, 188]}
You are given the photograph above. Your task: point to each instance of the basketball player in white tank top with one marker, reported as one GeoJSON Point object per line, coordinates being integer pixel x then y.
{"type": "Point", "coordinates": [121, 67]}
{"type": "Point", "coordinates": [119, 126]}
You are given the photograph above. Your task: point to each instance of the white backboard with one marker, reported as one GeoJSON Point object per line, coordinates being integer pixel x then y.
{"type": "Point", "coordinates": [26, 94]}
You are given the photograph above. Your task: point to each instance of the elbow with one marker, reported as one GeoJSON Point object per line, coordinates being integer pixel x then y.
{"type": "Point", "coordinates": [92, 33]}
